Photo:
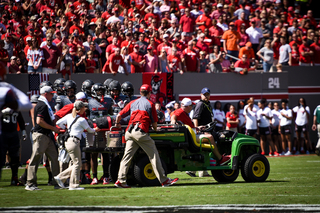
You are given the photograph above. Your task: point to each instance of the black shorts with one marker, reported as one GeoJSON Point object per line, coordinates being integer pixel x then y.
{"type": "Point", "coordinates": [285, 130]}
{"type": "Point", "coordinates": [303, 128]}
{"type": "Point", "coordinates": [264, 131]}
{"type": "Point", "coordinates": [11, 143]}
{"type": "Point", "coordinates": [275, 131]}
{"type": "Point", "coordinates": [251, 132]}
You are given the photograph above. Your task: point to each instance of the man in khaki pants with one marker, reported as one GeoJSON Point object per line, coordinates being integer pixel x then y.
{"type": "Point", "coordinates": [42, 137]}
{"type": "Point", "coordinates": [143, 113]}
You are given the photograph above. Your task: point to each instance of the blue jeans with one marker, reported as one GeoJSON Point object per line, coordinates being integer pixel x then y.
{"type": "Point", "coordinates": [233, 53]}
{"type": "Point", "coordinates": [31, 69]}
{"type": "Point", "coordinates": [266, 66]}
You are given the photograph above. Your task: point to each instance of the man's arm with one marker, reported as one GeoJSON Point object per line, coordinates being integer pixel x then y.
{"type": "Point", "coordinates": [40, 121]}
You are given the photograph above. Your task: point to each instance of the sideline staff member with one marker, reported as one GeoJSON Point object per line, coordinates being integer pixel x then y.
{"type": "Point", "coordinates": [42, 138]}
{"type": "Point", "coordinates": [143, 113]}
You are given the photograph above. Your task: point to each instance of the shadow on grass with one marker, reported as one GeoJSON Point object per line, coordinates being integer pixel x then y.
{"type": "Point", "coordinates": [237, 182]}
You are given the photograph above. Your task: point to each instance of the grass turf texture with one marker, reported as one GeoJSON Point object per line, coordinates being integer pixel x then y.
{"type": "Point", "coordinates": [292, 180]}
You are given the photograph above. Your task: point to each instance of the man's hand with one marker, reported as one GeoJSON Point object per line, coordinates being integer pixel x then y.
{"type": "Point", "coordinates": [314, 127]}
{"type": "Point", "coordinates": [97, 129]}
{"type": "Point", "coordinates": [56, 130]}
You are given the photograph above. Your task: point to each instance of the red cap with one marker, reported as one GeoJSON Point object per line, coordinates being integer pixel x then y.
{"type": "Point", "coordinates": [290, 8]}
{"type": "Point", "coordinates": [82, 14]}
{"type": "Point", "coordinates": [305, 16]}
{"type": "Point", "coordinates": [145, 87]}
{"type": "Point", "coordinates": [46, 22]}
{"type": "Point", "coordinates": [115, 9]}
{"type": "Point", "coordinates": [231, 23]}
{"type": "Point", "coordinates": [8, 26]}
{"type": "Point", "coordinates": [10, 22]}
{"type": "Point", "coordinates": [285, 25]}
{"type": "Point", "coordinates": [53, 14]}
{"type": "Point", "coordinates": [174, 39]}
{"type": "Point", "coordinates": [318, 26]}
{"type": "Point", "coordinates": [149, 47]}
{"type": "Point", "coordinates": [8, 35]}
{"type": "Point", "coordinates": [253, 20]}
{"type": "Point", "coordinates": [71, 5]}
{"type": "Point", "coordinates": [136, 45]}
{"type": "Point", "coordinates": [57, 31]}
{"type": "Point", "coordinates": [304, 38]}
{"type": "Point", "coordinates": [58, 25]}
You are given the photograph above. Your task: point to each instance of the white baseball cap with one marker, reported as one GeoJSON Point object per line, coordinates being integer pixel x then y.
{"type": "Point", "coordinates": [46, 89]}
{"type": "Point", "coordinates": [81, 95]}
{"type": "Point", "coordinates": [187, 102]}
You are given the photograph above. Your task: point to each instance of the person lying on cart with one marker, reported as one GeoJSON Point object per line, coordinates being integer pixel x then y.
{"type": "Point", "coordinates": [182, 114]}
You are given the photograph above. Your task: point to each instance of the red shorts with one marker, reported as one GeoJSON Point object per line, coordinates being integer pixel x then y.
{"type": "Point", "coordinates": [64, 72]}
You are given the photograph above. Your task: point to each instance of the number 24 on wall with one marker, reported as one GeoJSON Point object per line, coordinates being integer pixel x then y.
{"type": "Point", "coordinates": [273, 83]}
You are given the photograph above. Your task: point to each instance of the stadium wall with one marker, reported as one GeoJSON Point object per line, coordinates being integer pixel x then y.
{"type": "Point", "coordinates": [293, 83]}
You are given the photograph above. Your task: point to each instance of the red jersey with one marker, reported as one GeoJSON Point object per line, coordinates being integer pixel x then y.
{"type": "Point", "coordinates": [276, 47]}
{"type": "Point", "coordinates": [174, 61]}
{"type": "Point", "coordinates": [137, 58]}
{"type": "Point", "coordinates": [304, 59]}
{"type": "Point", "coordinates": [183, 117]}
{"type": "Point", "coordinates": [110, 49]}
{"type": "Point", "coordinates": [66, 110]}
{"type": "Point", "coordinates": [191, 59]}
{"type": "Point", "coordinates": [206, 20]}
{"type": "Point", "coordinates": [90, 63]}
{"type": "Point", "coordinates": [164, 46]}
{"type": "Point", "coordinates": [232, 117]}
{"type": "Point", "coordinates": [116, 61]}
{"type": "Point", "coordinates": [239, 22]}
{"type": "Point", "coordinates": [240, 64]}
{"type": "Point", "coordinates": [142, 111]}
{"type": "Point", "coordinates": [125, 43]}
{"type": "Point", "coordinates": [71, 16]}
{"type": "Point", "coordinates": [214, 32]}
{"type": "Point", "coordinates": [316, 53]}
{"type": "Point", "coordinates": [74, 27]}
{"type": "Point", "coordinates": [187, 24]}
{"type": "Point", "coordinates": [295, 58]}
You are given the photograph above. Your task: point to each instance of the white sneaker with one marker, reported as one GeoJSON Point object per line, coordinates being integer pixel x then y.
{"type": "Point", "coordinates": [297, 153]}
{"type": "Point", "coordinates": [77, 188]}
{"type": "Point", "coordinates": [288, 153]}
{"type": "Point", "coordinates": [307, 152]}
{"type": "Point", "coordinates": [32, 188]}
{"type": "Point", "coordinates": [59, 182]}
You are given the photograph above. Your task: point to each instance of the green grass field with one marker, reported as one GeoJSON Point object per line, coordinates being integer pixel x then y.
{"type": "Point", "coordinates": [292, 180]}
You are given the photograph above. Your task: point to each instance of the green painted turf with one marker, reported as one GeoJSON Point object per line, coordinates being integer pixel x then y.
{"type": "Point", "coordinates": [292, 180]}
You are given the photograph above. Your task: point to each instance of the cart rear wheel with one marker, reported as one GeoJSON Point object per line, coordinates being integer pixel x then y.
{"type": "Point", "coordinates": [144, 174]}
{"type": "Point", "coordinates": [227, 176]}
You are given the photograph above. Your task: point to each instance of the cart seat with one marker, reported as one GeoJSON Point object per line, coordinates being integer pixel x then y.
{"type": "Point", "coordinates": [194, 141]}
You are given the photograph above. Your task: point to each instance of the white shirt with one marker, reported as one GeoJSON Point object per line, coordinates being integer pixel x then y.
{"type": "Point", "coordinates": [283, 120]}
{"type": "Point", "coordinates": [36, 57]}
{"type": "Point", "coordinates": [44, 43]}
{"type": "Point", "coordinates": [219, 115]}
{"type": "Point", "coordinates": [264, 121]}
{"type": "Point", "coordinates": [254, 34]}
{"type": "Point", "coordinates": [284, 53]}
{"type": "Point", "coordinates": [77, 128]}
{"type": "Point", "coordinates": [275, 117]}
{"type": "Point", "coordinates": [302, 117]}
{"type": "Point", "coordinates": [242, 119]}
{"type": "Point", "coordinates": [251, 116]}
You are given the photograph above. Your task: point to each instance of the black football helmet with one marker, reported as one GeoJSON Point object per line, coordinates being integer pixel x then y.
{"type": "Point", "coordinates": [98, 90]}
{"type": "Point", "coordinates": [106, 83]}
{"type": "Point", "coordinates": [70, 84]}
{"type": "Point", "coordinates": [58, 85]}
{"type": "Point", "coordinates": [127, 88]}
{"type": "Point", "coordinates": [86, 86]}
{"type": "Point", "coordinates": [114, 89]}
{"type": "Point", "coordinates": [45, 83]}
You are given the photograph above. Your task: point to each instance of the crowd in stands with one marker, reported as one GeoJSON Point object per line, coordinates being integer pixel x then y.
{"type": "Point", "coordinates": [137, 36]}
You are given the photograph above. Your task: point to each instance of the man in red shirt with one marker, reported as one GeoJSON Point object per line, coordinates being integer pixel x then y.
{"type": "Point", "coordinates": [111, 47]}
{"type": "Point", "coordinates": [243, 65]}
{"type": "Point", "coordinates": [76, 26]}
{"type": "Point", "coordinates": [187, 23]}
{"type": "Point", "coordinates": [201, 45]}
{"type": "Point", "coordinates": [143, 114]}
{"type": "Point", "coordinates": [204, 21]}
{"type": "Point", "coordinates": [190, 59]}
{"type": "Point", "coordinates": [138, 61]}
{"type": "Point", "coordinates": [306, 53]}
{"type": "Point", "coordinates": [113, 63]}
{"type": "Point", "coordinates": [316, 50]}
{"type": "Point", "coordinates": [166, 45]}
{"type": "Point", "coordinates": [240, 21]}
{"type": "Point", "coordinates": [129, 43]}
{"type": "Point", "coordinates": [71, 15]}
{"type": "Point", "coordinates": [52, 55]}
{"type": "Point", "coordinates": [215, 32]}
{"type": "Point", "coordinates": [182, 114]}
